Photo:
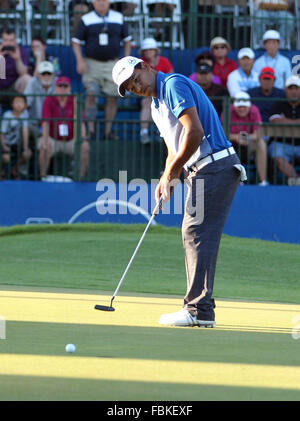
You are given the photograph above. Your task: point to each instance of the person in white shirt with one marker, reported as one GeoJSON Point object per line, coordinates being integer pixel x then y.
{"type": "Point", "coordinates": [245, 77]}
{"type": "Point", "coordinates": [272, 58]}
{"type": "Point", "coordinates": [270, 12]}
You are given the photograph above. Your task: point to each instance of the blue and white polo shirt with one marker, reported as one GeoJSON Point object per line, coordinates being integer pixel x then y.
{"type": "Point", "coordinates": [90, 32]}
{"type": "Point", "coordinates": [176, 93]}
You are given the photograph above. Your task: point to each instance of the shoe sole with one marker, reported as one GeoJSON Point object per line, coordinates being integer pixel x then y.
{"type": "Point", "coordinates": [208, 324]}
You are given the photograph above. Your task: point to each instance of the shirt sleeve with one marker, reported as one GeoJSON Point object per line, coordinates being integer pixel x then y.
{"type": "Point", "coordinates": [46, 109]}
{"type": "Point", "coordinates": [4, 124]}
{"type": "Point", "coordinates": [232, 83]}
{"type": "Point", "coordinates": [80, 35]}
{"type": "Point", "coordinates": [276, 110]}
{"type": "Point", "coordinates": [178, 95]}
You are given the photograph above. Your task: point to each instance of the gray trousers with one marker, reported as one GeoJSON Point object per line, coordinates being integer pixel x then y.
{"type": "Point", "coordinates": [210, 194]}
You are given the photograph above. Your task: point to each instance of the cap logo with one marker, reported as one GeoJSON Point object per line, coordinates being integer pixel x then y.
{"type": "Point", "coordinates": [131, 61]}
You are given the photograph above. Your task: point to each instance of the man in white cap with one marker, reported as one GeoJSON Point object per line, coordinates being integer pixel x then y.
{"type": "Point", "coordinates": [196, 142]}
{"type": "Point", "coordinates": [270, 12]}
{"type": "Point", "coordinates": [151, 54]}
{"type": "Point", "coordinates": [286, 151]}
{"type": "Point", "coordinates": [38, 87]}
{"type": "Point", "coordinates": [245, 77]}
{"type": "Point", "coordinates": [223, 66]}
{"type": "Point", "coordinates": [272, 58]}
{"type": "Point", "coordinates": [245, 134]}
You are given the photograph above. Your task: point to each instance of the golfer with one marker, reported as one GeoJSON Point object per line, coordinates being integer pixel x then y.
{"type": "Point", "coordinates": [195, 140]}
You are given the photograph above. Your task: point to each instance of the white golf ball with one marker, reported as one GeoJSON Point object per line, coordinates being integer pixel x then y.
{"type": "Point", "coordinates": [70, 348]}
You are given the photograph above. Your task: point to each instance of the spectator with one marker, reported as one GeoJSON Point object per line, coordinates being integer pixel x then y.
{"type": "Point", "coordinates": [245, 133]}
{"type": "Point", "coordinates": [127, 8]}
{"type": "Point", "coordinates": [102, 31]}
{"type": "Point", "coordinates": [161, 9]}
{"type": "Point", "coordinates": [276, 12]}
{"type": "Point", "coordinates": [205, 80]}
{"type": "Point", "coordinates": [287, 150]}
{"type": "Point", "coordinates": [224, 65]}
{"type": "Point", "coordinates": [58, 128]}
{"type": "Point", "coordinates": [77, 8]}
{"type": "Point", "coordinates": [208, 58]}
{"type": "Point", "coordinates": [38, 53]}
{"type": "Point", "coordinates": [272, 58]}
{"type": "Point", "coordinates": [245, 77]}
{"type": "Point", "coordinates": [265, 91]}
{"type": "Point", "coordinates": [151, 54]}
{"type": "Point", "coordinates": [16, 62]}
{"type": "Point", "coordinates": [38, 87]}
{"type": "Point", "coordinates": [14, 135]}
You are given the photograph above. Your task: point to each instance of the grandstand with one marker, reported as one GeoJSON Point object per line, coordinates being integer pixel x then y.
{"type": "Point", "coordinates": [185, 32]}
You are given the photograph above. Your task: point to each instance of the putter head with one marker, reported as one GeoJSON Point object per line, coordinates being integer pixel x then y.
{"type": "Point", "coordinates": [104, 308]}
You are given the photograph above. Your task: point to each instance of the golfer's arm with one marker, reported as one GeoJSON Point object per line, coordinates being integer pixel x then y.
{"type": "Point", "coordinates": [193, 134]}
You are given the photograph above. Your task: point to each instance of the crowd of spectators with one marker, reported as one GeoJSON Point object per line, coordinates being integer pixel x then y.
{"type": "Point", "coordinates": [38, 106]}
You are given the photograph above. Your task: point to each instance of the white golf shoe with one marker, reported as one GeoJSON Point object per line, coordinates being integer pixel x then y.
{"type": "Point", "coordinates": [184, 318]}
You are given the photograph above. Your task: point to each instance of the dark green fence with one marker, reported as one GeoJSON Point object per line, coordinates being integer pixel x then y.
{"type": "Point", "coordinates": [146, 161]}
{"type": "Point", "coordinates": [192, 24]}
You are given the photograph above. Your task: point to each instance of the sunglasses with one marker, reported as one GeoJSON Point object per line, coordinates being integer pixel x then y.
{"type": "Point", "coordinates": [46, 73]}
{"type": "Point", "coordinates": [268, 74]}
{"type": "Point", "coordinates": [63, 85]}
{"type": "Point", "coordinates": [216, 47]}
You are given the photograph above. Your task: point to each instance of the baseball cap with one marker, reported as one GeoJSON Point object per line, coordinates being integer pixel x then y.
{"type": "Point", "coordinates": [204, 68]}
{"type": "Point", "coordinates": [45, 66]}
{"type": "Point", "coordinates": [63, 80]}
{"type": "Point", "coordinates": [292, 80]}
{"type": "Point", "coordinates": [271, 34]}
{"type": "Point", "coordinates": [123, 70]}
{"type": "Point", "coordinates": [218, 41]}
{"type": "Point", "coordinates": [246, 52]}
{"type": "Point", "coordinates": [242, 99]}
{"type": "Point", "coordinates": [149, 44]}
{"type": "Point", "coordinates": [267, 73]}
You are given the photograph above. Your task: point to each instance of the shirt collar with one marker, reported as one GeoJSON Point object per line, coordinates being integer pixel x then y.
{"type": "Point", "coordinates": [160, 77]}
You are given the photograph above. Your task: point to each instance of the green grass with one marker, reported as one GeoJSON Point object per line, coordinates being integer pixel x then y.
{"type": "Point", "coordinates": [126, 355]}
{"type": "Point", "coordinates": [94, 256]}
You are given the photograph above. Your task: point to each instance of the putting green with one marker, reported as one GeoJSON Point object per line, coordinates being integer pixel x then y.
{"type": "Point", "coordinates": [126, 355]}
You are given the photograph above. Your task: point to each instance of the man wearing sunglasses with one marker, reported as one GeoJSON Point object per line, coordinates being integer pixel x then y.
{"type": "Point", "coordinates": [58, 128]}
{"type": "Point", "coordinates": [223, 65]}
{"type": "Point", "coordinates": [38, 87]}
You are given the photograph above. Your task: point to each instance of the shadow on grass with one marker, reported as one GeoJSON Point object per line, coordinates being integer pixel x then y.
{"type": "Point", "coordinates": [62, 389]}
{"type": "Point", "coordinates": [226, 344]}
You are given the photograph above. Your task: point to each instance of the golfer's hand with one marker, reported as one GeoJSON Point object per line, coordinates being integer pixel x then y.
{"type": "Point", "coordinates": [166, 185]}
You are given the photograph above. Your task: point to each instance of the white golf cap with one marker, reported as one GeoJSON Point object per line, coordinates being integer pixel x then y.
{"type": "Point", "coordinates": [149, 44]}
{"type": "Point", "coordinates": [45, 66]}
{"type": "Point", "coordinates": [246, 52]}
{"type": "Point", "coordinates": [123, 70]}
{"type": "Point", "coordinates": [271, 34]}
{"type": "Point", "coordinates": [219, 41]}
{"type": "Point", "coordinates": [292, 80]}
{"type": "Point", "coordinates": [242, 99]}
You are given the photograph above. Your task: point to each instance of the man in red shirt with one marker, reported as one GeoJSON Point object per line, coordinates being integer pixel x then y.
{"type": "Point", "coordinates": [245, 134]}
{"type": "Point", "coordinates": [150, 53]}
{"type": "Point", "coordinates": [58, 128]}
{"type": "Point", "coordinates": [224, 65]}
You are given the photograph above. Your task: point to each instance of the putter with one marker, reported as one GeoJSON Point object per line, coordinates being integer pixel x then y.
{"type": "Point", "coordinates": [110, 307]}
